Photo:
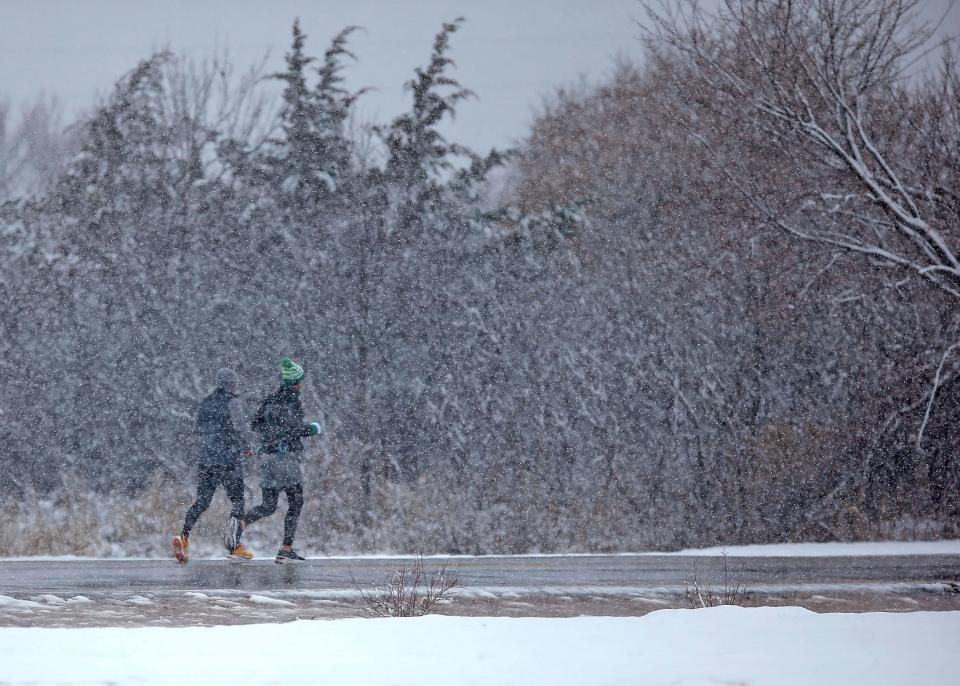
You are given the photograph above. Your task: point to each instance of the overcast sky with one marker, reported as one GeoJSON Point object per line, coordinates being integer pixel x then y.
{"type": "Point", "coordinates": [510, 52]}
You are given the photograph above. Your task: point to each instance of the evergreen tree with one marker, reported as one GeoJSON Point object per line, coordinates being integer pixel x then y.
{"type": "Point", "coordinates": [121, 169]}
{"type": "Point", "coordinates": [312, 160]}
{"type": "Point", "coordinates": [332, 110]}
{"type": "Point", "coordinates": [418, 154]}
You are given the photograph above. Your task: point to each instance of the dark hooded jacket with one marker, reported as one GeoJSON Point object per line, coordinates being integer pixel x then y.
{"type": "Point", "coordinates": [221, 443]}
{"type": "Point", "coordinates": [280, 422]}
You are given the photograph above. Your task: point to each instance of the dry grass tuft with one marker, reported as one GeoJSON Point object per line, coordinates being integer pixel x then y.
{"type": "Point", "coordinates": [409, 591]}
{"type": "Point", "coordinates": [730, 592]}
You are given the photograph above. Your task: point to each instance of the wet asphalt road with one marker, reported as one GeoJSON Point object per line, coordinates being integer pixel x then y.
{"type": "Point", "coordinates": [638, 572]}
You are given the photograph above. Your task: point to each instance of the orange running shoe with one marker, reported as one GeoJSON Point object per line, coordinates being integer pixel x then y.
{"type": "Point", "coordinates": [181, 548]}
{"type": "Point", "coordinates": [240, 553]}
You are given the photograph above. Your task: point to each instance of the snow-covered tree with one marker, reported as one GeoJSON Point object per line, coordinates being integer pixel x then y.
{"type": "Point", "coordinates": [623, 356]}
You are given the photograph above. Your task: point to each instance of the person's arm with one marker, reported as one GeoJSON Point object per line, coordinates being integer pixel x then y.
{"type": "Point", "coordinates": [201, 423]}
{"type": "Point", "coordinates": [311, 429]}
{"type": "Point", "coordinates": [258, 423]}
{"type": "Point", "coordinates": [243, 436]}
{"type": "Point", "coordinates": [304, 429]}
{"type": "Point", "coordinates": [197, 438]}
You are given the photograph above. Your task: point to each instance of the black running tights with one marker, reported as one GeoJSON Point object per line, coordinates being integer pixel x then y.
{"type": "Point", "coordinates": [269, 506]}
{"type": "Point", "coordinates": [208, 478]}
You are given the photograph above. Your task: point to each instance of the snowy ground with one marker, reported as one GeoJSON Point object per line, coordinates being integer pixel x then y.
{"type": "Point", "coordinates": [224, 607]}
{"type": "Point", "coordinates": [726, 645]}
{"type": "Point", "coordinates": [946, 547]}
{"type": "Point", "coordinates": [832, 549]}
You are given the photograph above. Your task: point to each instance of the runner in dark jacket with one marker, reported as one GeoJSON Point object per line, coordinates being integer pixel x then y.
{"type": "Point", "coordinates": [280, 424]}
{"type": "Point", "coordinates": [219, 462]}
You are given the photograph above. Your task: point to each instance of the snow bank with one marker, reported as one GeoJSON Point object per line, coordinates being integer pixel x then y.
{"type": "Point", "coordinates": [782, 646]}
{"type": "Point", "coordinates": [832, 549]}
{"type": "Point", "coordinates": [266, 600]}
{"type": "Point", "coordinates": [8, 602]}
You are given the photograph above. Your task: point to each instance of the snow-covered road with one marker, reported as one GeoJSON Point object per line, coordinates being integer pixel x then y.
{"type": "Point", "coordinates": [596, 572]}
{"type": "Point", "coordinates": [74, 592]}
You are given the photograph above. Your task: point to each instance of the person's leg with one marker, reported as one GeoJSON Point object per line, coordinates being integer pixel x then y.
{"type": "Point", "coordinates": [266, 508]}
{"type": "Point", "coordinates": [207, 479]}
{"type": "Point", "coordinates": [233, 484]}
{"type": "Point", "coordinates": [294, 505]}
{"type": "Point", "coordinates": [232, 480]}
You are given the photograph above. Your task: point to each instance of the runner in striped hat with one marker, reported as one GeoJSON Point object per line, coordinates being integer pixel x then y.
{"type": "Point", "coordinates": [282, 427]}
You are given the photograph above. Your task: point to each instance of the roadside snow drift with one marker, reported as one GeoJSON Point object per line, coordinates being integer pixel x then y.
{"type": "Point", "coordinates": [947, 547]}
{"type": "Point", "coordinates": [719, 645]}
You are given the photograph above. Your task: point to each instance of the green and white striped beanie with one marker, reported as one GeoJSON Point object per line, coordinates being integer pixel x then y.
{"type": "Point", "coordinates": [291, 372]}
